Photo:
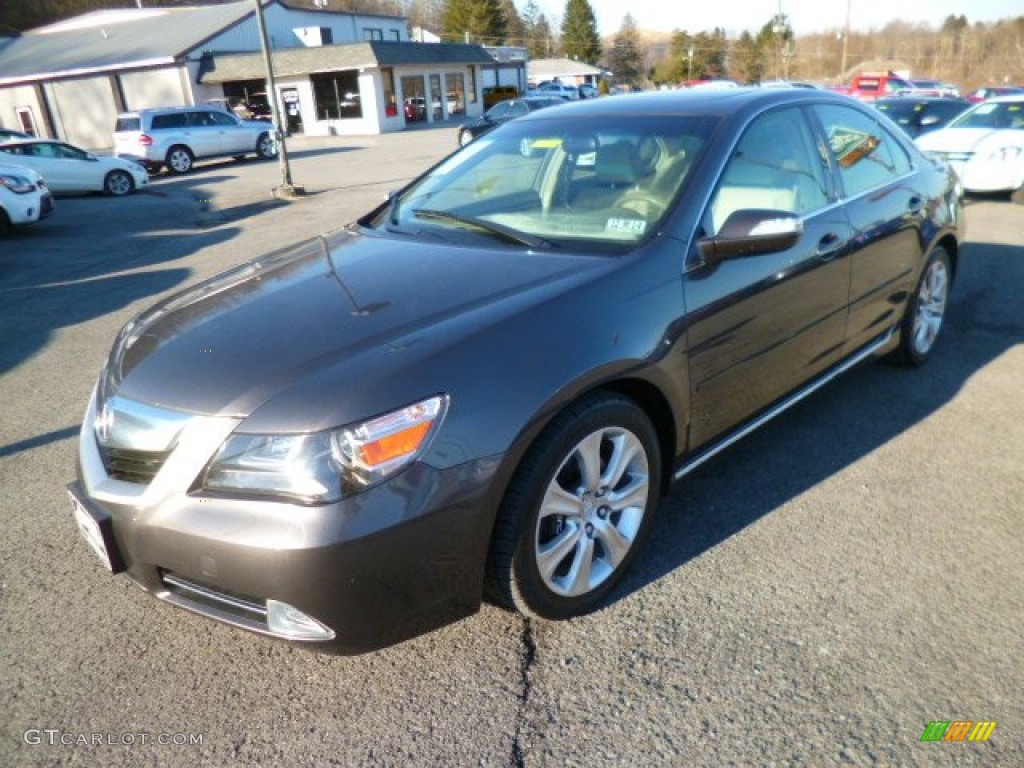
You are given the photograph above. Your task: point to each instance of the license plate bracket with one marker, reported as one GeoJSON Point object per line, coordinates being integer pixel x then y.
{"type": "Point", "coordinates": [97, 529]}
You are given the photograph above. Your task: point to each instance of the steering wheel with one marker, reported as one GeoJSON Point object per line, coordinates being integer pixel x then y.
{"type": "Point", "coordinates": [647, 204]}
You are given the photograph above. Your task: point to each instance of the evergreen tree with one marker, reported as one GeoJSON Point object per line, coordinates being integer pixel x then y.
{"type": "Point", "coordinates": [579, 32]}
{"type": "Point", "coordinates": [539, 44]}
{"type": "Point", "coordinates": [474, 21]}
{"type": "Point", "coordinates": [626, 57]}
{"type": "Point", "coordinates": [747, 59]}
{"type": "Point", "coordinates": [515, 29]}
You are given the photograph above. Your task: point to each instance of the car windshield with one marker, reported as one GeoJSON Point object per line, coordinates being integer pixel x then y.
{"type": "Point", "coordinates": [600, 184]}
{"type": "Point", "coordinates": [998, 115]}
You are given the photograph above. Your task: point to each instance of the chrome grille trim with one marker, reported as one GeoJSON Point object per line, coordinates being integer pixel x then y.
{"type": "Point", "coordinates": [132, 466]}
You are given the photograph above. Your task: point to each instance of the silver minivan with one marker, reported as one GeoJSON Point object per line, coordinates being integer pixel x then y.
{"type": "Point", "coordinates": [178, 136]}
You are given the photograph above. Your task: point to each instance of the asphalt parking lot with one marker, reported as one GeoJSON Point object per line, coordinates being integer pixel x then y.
{"type": "Point", "coordinates": [815, 596]}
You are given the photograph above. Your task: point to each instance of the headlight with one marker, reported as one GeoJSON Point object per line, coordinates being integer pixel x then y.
{"type": "Point", "coordinates": [323, 467]}
{"type": "Point", "coordinates": [1005, 154]}
{"type": "Point", "coordinates": [19, 184]}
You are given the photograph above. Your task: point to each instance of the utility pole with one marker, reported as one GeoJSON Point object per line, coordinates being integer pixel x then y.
{"type": "Point", "coordinates": [846, 39]}
{"type": "Point", "coordinates": [286, 190]}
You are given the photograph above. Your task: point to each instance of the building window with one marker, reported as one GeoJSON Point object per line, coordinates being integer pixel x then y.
{"type": "Point", "coordinates": [387, 77]}
{"type": "Point", "coordinates": [396, 35]}
{"type": "Point", "coordinates": [337, 95]}
{"type": "Point", "coordinates": [456, 94]}
{"type": "Point", "coordinates": [372, 33]}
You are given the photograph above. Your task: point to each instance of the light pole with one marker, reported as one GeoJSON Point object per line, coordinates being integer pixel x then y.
{"type": "Point", "coordinates": [286, 190]}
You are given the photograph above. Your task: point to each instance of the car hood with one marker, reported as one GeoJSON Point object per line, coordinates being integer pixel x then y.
{"type": "Point", "coordinates": [19, 170]}
{"type": "Point", "coordinates": [969, 139]}
{"type": "Point", "coordinates": [228, 345]}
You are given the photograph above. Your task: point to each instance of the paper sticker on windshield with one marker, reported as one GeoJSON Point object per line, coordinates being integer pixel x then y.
{"type": "Point", "coordinates": [626, 226]}
{"type": "Point", "coordinates": [527, 146]}
{"type": "Point", "coordinates": [851, 146]}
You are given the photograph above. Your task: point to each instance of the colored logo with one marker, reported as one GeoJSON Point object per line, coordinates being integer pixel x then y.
{"type": "Point", "coordinates": [958, 730]}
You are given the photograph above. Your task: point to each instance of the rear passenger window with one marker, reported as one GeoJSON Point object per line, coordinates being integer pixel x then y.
{"type": "Point", "coordinates": [867, 155]}
{"type": "Point", "coordinates": [169, 120]}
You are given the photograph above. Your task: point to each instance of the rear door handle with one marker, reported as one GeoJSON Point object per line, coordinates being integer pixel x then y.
{"type": "Point", "coordinates": [829, 246]}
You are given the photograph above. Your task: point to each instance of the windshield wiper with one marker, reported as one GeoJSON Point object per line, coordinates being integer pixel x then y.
{"type": "Point", "coordinates": [512, 235]}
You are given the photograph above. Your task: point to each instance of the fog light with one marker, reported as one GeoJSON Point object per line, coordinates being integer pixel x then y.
{"type": "Point", "coordinates": [290, 622]}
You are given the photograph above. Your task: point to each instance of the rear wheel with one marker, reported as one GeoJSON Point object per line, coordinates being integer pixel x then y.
{"type": "Point", "coordinates": [266, 147]}
{"type": "Point", "coordinates": [926, 310]}
{"type": "Point", "coordinates": [179, 160]}
{"type": "Point", "coordinates": [118, 183]}
{"type": "Point", "coordinates": [578, 509]}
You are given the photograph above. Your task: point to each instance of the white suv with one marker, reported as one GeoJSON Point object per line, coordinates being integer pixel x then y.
{"type": "Point", "coordinates": [178, 136]}
{"type": "Point", "coordinates": [24, 197]}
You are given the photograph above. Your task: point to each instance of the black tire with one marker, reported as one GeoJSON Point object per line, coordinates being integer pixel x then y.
{"type": "Point", "coordinates": [266, 147]}
{"type": "Point", "coordinates": [562, 541]}
{"type": "Point", "coordinates": [926, 310]}
{"type": "Point", "coordinates": [179, 159]}
{"type": "Point", "coordinates": [5, 223]}
{"type": "Point", "coordinates": [118, 183]}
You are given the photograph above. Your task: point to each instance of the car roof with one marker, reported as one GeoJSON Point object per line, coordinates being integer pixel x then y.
{"type": "Point", "coordinates": [179, 108]}
{"type": "Point", "coordinates": [910, 99]}
{"type": "Point", "coordinates": [710, 102]}
{"type": "Point", "coordinates": [33, 140]}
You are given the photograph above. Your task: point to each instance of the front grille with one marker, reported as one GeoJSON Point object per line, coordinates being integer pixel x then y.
{"type": "Point", "coordinates": [132, 466]}
{"type": "Point", "coordinates": [240, 610]}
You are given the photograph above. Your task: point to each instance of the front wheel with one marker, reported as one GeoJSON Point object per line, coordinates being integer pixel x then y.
{"type": "Point", "coordinates": [118, 183]}
{"type": "Point", "coordinates": [926, 310]}
{"type": "Point", "coordinates": [266, 147]}
{"type": "Point", "coordinates": [578, 509]}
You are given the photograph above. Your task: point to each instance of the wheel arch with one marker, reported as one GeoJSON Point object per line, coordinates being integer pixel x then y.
{"type": "Point", "coordinates": [647, 395]}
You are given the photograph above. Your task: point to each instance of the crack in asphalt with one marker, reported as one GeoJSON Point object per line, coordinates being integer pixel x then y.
{"type": "Point", "coordinates": [528, 658]}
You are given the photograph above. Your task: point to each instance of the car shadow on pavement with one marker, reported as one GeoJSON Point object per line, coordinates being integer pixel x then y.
{"type": "Point", "coordinates": [51, 279]}
{"type": "Point", "coordinates": [839, 425]}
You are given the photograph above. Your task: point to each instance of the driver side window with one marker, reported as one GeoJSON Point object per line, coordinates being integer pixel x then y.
{"type": "Point", "coordinates": [775, 167]}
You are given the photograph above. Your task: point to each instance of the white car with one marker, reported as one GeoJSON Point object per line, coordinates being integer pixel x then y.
{"type": "Point", "coordinates": [69, 169]}
{"type": "Point", "coordinates": [568, 92]}
{"type": "Point", "coordinates": [985, 145]}
{"type": "Point", "coordinates": [24, 198]}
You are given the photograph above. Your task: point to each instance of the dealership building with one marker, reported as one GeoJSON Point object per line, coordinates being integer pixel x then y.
{"type": "Point", "coordinates": [335, 73]}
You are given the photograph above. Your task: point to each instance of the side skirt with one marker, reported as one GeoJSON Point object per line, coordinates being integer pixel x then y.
{"type": "Point", "coordinates": [863, 354]}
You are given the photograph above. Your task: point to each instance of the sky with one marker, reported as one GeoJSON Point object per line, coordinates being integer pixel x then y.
{"type": "Point", "coordinates": [805, 16]}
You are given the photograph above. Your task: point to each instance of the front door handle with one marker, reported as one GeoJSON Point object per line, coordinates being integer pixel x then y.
{"type": "Point", "coordinates": [829, 246]}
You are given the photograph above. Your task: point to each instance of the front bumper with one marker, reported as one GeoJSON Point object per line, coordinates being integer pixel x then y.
{"type": "Point", "coordinates": [401, 559]}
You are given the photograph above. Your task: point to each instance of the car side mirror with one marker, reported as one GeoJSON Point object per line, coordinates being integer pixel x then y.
{"type": "Point", "coordinates": [752, 232]}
